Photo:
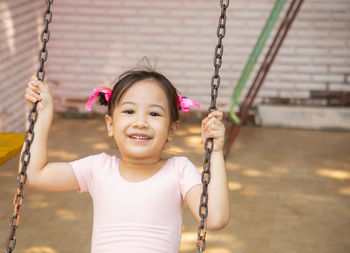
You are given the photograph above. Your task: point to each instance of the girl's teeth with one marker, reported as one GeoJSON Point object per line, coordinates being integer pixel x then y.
{"type": "Point", "coordinates": [139, 137]}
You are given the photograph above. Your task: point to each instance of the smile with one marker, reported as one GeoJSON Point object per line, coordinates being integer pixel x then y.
{"type": "Point", "coordinates": [140, 137]}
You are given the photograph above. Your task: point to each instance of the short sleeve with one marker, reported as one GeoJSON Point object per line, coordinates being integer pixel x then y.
{"type": "Point", "coordinates": [189, 176]}
{"type": "Point", "coordinates": [83, 170]}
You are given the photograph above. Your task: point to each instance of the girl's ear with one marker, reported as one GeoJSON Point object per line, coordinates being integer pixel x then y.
{"type": "Point", "coordinates": [172, 130]}
{"type": "Point", "coordinates": [109, 123]}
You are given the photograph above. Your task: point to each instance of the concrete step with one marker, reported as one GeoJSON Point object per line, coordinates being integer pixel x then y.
{"type": "Point", "coordinates": [304, 117]}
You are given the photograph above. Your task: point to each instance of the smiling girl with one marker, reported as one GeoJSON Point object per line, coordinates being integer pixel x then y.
{"type": "Point", "coordinates": [138, 197]}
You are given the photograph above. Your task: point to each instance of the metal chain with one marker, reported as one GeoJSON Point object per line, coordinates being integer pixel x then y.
{"type": "Point", "coordinates": [32, 117]}
{"type": "Point", "coordinates": [208, 144]}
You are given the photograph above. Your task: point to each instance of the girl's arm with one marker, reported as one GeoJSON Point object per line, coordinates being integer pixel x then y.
{"type": "Point", "coordinates": [42, 175]}
{"type": "Point", "coordinates": [218, 192]}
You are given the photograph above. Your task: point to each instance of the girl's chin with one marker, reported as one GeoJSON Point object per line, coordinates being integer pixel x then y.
{"type": "Point", "coordinates": [141, 153]}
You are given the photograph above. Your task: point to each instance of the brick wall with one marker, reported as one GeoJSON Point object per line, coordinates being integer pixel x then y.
{"type": "Point", "coordinates": [19, 21]}
{"type": "Point", "coordinates": [93, 41]}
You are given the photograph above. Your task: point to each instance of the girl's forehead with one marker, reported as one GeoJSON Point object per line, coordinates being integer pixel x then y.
{"type": "Point", "coordinates": [145, 91]}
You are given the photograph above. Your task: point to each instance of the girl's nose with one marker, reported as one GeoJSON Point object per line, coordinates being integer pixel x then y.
{"type": "Point", "coordinates": [141, 122]}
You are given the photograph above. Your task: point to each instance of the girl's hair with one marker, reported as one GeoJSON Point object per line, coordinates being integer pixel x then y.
{"type": "Point", "coordinates": [130, 77]}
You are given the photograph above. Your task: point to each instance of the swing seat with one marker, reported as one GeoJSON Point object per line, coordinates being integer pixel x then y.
{"type": "Point", "coordinates": [10, 145]}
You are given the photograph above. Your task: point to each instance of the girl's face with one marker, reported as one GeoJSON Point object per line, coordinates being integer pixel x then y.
{"type": "Point", "coordinates": [140, 123]}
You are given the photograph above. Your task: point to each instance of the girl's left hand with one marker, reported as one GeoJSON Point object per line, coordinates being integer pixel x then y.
{"type": "Point", "coordinates": [212, 127]}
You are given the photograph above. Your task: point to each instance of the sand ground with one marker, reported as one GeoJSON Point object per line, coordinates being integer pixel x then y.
{"type": "Point", "coordinates": [290, 192]}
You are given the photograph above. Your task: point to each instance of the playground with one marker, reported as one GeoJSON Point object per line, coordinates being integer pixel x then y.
{"type": "Point", "coordinates": [284, 80]}
{"type": "Point", "coordinates": [291, 196]}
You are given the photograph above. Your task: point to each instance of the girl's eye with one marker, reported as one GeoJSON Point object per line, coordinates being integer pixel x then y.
{"type": "Point", "coordinates": [128, 112]}
{"type": "Point", "coordinates": [154, 114]}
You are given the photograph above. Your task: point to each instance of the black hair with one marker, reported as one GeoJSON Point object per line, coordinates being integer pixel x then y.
{"type": "Point", "coordinates": [130, 77]}
{"type": "Point", "coordinates": [102, 98]}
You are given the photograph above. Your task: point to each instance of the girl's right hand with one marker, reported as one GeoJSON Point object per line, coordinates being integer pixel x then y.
{"type": "Point", "coordinates": [39, 91]}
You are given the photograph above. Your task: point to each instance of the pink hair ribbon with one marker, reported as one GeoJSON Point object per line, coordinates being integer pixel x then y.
{"type": "Point", "coordinates": [97, 90]}
{"type": "Point", "coordinates": [185, 103]}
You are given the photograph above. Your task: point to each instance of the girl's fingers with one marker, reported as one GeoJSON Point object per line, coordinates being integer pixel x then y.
{"type": "Point", "coordinates": [33, 91]}
{"type": "Point", "coordinates": [216, 127]}
{"type": "Point", "coordinates": [204, 121]}
{"type": "Point", "coordinates": [35, 83]}
{"type": "Point", "coordinates": [212, 127]}
{"type": "Point", "coordinates": [211, 124]}
{"type": "Point", "coordinates": [216, 114]}
{"type": "Point", "coordinates": [32, 95]}
{"type": "Point", "coordinates": [217, 137]}
{"type": "Point", "coordinates": [213, 115]}
{"type": "Point", "coordinates": [33, 88]}
{"type": "Point", "coordinates": [30, 99]}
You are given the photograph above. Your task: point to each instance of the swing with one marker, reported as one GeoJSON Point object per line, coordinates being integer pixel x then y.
{"type": "Point", "coordinates": [208, 144]}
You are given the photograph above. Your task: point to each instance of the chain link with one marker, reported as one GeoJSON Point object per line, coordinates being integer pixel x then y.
{"type": "Point", "coordinates": [209, 144]}
{"type": "Point", "coordinates": [29, 137]}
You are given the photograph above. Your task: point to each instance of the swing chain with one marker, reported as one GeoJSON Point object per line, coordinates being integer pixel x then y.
{"type": "Point", "coordinates": [209, 144]}
{"type": "Point", "coordinates": [29, 137]}
{"type": "Point", "coordinates": [44, 37]}
{"type": "Point", "coordinates": [218, 53]}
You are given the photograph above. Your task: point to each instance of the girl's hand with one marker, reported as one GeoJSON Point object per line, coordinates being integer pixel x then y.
{"type": "Point", "coordinates": [212, 127]}
{"type": "Point", "coordinates": [39, 91]}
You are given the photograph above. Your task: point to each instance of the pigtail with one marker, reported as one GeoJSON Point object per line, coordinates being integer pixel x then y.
{"type": "Point", "coordinates": [102, 99]}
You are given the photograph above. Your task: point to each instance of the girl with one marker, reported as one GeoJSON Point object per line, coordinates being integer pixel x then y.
{"type": "Point", "coordinates": [137, 198]}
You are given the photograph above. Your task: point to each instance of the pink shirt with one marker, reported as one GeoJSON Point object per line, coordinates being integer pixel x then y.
{"type": "Point", "coordinates": [136, 217]}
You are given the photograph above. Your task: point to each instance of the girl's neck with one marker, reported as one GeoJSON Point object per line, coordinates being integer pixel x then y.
{"type": "Point", "coordinates": [138, 164]}
{"type": "Point", "coordinates": [136, 171]}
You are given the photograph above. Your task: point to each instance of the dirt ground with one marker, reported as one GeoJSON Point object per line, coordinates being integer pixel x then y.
{"type": "Point", "coordinates": [290, 192]}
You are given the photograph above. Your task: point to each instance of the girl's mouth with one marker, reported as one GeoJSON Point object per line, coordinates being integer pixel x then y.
{"type": "Point", "coordinates": [139, 138]}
